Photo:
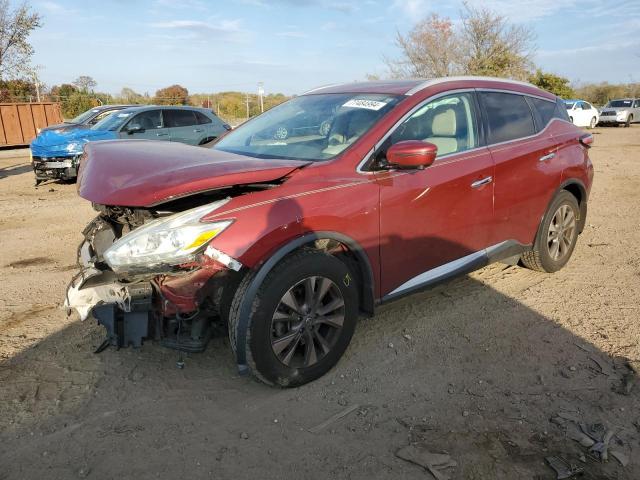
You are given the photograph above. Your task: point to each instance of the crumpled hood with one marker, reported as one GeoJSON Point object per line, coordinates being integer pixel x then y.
{"type": "Point", "coordinates": [55, 142]}
{"type": "Point", "coordinates": [143, 173]}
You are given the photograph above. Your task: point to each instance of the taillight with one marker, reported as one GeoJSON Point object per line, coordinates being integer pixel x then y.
{"type": "Point", "coordinates": [586, 140]}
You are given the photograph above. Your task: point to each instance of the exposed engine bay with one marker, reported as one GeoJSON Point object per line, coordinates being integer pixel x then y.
{"type": "Point", "coordinates": [173, 304]}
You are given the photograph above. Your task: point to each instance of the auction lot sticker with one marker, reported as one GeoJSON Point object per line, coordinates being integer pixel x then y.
{"type": "Point", "coordinates": [363, 103]}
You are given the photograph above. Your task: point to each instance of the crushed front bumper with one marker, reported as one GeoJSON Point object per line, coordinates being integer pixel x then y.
{"type": "Point", "coordinates": [175, 308]}
{"type": "Point", "coordinates": [55, 168]}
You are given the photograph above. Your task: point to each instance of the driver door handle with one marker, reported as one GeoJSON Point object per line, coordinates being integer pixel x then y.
{"type": "Point", "coordinates": [161, 134]}
{"type": "Point", "coordinates": [198, 130]}
{"type": "Point", "coordinates": [484, 181]}
{"type": "Point", "coordinates": [544, 158]}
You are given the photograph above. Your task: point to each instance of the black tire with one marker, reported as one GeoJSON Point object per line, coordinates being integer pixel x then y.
{"type": "Point", "coordinates": [290, 272]}
{"type": "Point", "coordinates": [593, 123]}
{"type": "Point", "coordinates": [627, 124]}
{"type": "Point", "coordinates": [541, 256]}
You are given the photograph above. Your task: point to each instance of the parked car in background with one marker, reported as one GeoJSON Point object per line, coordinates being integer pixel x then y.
{"type": "Point", "coordinates": [87, 119]}
{"type": "Point", "coordinates": [288, 240]}
{"type": "Point", "coordinates": [582, 113]}
{"type": "Point", "coordinates": [55, 153]}
{"type": "Point", "coordinates": [623, 111]}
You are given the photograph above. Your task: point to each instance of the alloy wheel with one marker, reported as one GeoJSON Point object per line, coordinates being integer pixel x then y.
{"type": "Point", "coordinates": [307, 322]}
{"type": "Point", "coordinates": [561, 234]}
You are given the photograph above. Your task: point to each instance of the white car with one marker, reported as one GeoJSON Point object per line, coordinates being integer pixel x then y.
{"type": "Point", "coordinates": [582, 113]}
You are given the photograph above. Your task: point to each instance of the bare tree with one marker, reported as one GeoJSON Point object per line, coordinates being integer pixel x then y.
{"type": "Point", "coordinates": [483, 43]}
{"type": "Point", "coordinates": [15, 50]}
{"type": "Point", "coordinates": [85, 83]}
{"type": "Point", "coordinates": [493, 47]}
{"type": "Point", "coordinates": [430, 49]}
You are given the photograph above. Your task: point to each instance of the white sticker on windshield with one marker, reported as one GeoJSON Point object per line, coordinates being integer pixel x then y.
{"type": "Point", "coordinates": [363, 103]}
{"type": "Point", "coordinates": [123, 115]}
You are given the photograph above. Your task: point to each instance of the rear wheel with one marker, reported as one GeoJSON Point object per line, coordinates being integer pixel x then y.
{"type": "Point", "coordinates": [303, 317]}
{"type": "Point", "coordinates": [557, 235]}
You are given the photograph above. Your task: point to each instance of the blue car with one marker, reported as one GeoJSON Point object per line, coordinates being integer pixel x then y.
{"type": "Point", "coordinates": [87, 119]}
{"type": "Point", "coordinates": [55, 153]}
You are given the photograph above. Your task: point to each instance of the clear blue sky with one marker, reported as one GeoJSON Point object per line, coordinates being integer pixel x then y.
{"type": "Point", "coordinates": [294, 45]}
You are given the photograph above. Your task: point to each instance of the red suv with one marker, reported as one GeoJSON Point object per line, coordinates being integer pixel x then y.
{"type": "Point", "coordinates": [316, 211]}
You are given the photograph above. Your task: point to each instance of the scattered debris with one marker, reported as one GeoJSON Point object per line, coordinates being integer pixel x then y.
{"type": "Point", "coordinates": [434, 463]}
{"type": "Point", "coordinates": [390, 345]}
{"type": "Point", "coordinates": [244, 436]}
{"type": "Point", "coordinates": [591, 245]}
{"type": "Point", "coordinates": [563, 468]}
{"type": "Point", "coordinates": [596, 437]}
{"type": "Point", "coordinates": [334, 418]}
{"type": "Point", "coordinates": [621, 457]}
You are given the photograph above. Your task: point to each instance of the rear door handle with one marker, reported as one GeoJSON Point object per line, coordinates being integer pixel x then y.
{"type": "Point", "coordinates": [161, 134]}
{"type": "Point", "coordinates": [484, 181]}
{"type": "Point", "coordinates": [198, 130]}
{"type": "Point", "coordinates": [544, 158]}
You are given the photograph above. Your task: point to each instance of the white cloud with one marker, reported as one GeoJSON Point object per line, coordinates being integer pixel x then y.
{"type": "Point", "coordinates": [213, 29]}
{"type": "Point", "coordinates": [292, 34]}
{"type": "Point", "coordinates": [412, 8]}
{"type": "Point", "coordinates": [52, 7]}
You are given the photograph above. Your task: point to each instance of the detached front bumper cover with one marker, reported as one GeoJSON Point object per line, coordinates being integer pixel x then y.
{"type": "Point", "coordinates": [124, 310]}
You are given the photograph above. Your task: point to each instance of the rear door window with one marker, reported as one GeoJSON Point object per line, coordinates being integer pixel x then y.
{"type": "Point", "coordinates": [179, 118]}
{"type": "Point", "coordinates": [509, 116]}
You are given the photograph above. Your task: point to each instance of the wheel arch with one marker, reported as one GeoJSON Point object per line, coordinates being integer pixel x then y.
{"type": "Point", "coordinates": [259, 273]}
{"type": "Point", "coordinates": [576, 188]}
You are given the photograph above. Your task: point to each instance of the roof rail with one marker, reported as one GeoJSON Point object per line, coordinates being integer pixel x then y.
{"type": "Point", "coordinates": [435, 81]}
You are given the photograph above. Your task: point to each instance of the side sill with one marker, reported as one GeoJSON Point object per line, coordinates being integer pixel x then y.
{"type": "Point", "coordinates": [458, 267]}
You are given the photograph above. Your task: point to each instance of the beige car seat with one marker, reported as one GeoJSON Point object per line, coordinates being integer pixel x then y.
{"type": "Point", "coordinates": [443, 131]}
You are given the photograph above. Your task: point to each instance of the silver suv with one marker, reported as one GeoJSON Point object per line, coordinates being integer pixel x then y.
{"type": "Point", "coordinates": [623, 111]}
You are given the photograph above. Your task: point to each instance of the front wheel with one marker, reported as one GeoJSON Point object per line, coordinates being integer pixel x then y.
{"type": "Point", "coordinates": [303, 317]}
{"type": "Point", "coordinates": [627, 124]}
{"type": "Point", "coordinates": [593, 123]}
{"type": "Point", "coordinates": [557, 235]}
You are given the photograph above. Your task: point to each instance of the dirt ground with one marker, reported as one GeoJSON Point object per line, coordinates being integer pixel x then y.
{"type": "Point", "coordinates": [476, 368]}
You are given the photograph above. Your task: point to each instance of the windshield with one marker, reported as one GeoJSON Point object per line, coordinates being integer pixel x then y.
{"type": "Point", "coordinates": [113, 121]}
{"type": "Point", "coordinates": [569, 105]}
{"type": "Point", "coordinates": [310, 127]}
{"type": "Point", "coordinates": [619, 103]}
{"type": "Point", "coordinates": [83, 117]}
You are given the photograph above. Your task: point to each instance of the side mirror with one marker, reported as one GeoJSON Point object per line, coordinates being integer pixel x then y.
{"type": "Point", "coordinates": [134, 129]}
{"type": "Point", "coordinates": [412, 154]}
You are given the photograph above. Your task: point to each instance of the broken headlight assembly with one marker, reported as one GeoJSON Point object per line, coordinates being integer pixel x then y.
{"type": "Point", "coordinates": [169, 241]}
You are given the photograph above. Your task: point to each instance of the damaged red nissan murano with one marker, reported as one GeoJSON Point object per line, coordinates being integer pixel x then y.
{"type": "Point", "coordinates": [306, 217]}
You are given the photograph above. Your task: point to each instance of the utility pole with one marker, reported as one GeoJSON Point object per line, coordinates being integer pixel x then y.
{"type": "Point", "coordinates": [38, 90]}
{"type": "Point", "coordinates": [247, 98]}
{"type": "Point", "coordinates": [261, 93]}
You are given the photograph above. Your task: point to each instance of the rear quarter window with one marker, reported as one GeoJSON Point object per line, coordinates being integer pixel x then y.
{"type": "Point", "coordinates": [545, 111]}
{"type": "Point", "coordinates": [508, 115]}
{"type": "Point", "coordinates": [202, 118]}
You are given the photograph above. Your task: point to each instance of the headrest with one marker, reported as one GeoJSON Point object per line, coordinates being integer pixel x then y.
{"type": "Point", "coordinates": [444, 124]}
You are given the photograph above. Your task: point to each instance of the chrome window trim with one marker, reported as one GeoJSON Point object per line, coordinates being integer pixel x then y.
{"type": "Point", "coordinates": [442, 94]}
